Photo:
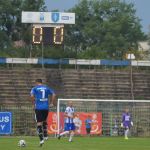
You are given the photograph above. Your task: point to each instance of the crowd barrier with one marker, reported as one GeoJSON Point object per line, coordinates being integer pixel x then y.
{"type": "Point", "coordinates": [70, 61]}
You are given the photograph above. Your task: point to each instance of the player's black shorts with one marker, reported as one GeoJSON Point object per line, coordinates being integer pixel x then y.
{"type": "Point", "coordinates": [41, 115]}
{"type": "Point", "coordinates": [88, 130]}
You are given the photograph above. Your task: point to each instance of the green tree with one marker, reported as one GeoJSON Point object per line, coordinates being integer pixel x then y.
{"type": "Point", "coordinates": [11, 28]}
{"type": "Point", "coordinates": [7, 21]}
{"type": "Point", "coordinates": [104, 29]}
{"type": "Point", "coordinates": [146, 54]}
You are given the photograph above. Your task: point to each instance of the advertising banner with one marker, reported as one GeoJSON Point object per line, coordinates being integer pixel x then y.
{"type": "Point", "coordinates": [5, 122]}
{"type": "Point", "coordinates": [96, 125]}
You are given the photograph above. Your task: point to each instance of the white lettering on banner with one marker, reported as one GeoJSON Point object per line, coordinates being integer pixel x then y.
{"type": "Point", "coordinates": [4, 119]}
{"type": "Point", "coordinates": [2, 127]}
{"type": "Point", "coordinates": [5, 123]}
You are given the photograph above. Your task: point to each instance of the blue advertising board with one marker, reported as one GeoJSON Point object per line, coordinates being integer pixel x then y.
{"type": "Point", "coordinates": [5, 122]}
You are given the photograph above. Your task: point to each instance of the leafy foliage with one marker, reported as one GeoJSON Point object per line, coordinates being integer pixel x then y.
{"type": "Point", "coordinates": [11, 28]}
{"type": "Point", "coordinates": [104, 29]}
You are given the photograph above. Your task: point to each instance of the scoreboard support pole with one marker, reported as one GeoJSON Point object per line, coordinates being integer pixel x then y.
{"type": "Point", "coordinates": [42, 55]}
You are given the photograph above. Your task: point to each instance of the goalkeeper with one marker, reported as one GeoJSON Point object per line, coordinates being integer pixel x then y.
{"type": "Point", "coordinates": [126, 123]}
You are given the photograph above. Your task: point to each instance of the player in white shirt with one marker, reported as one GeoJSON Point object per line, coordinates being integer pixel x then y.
{"type": "Point", "coordinates": [69, 124]}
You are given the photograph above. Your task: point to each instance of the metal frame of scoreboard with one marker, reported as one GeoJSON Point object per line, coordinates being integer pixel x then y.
{"type": "Point", "coordinates": [48, 27]}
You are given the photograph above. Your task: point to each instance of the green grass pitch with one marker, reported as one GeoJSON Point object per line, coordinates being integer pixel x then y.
{"type": "Point", "coordinates": [79, 143]}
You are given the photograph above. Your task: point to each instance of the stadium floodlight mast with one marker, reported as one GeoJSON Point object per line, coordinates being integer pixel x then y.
{"type": "Point", "coordinates": [47, 27]}
{"type": "Point", "coordinates": [136, 105]}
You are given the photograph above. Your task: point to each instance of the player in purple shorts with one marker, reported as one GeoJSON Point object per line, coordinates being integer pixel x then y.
{"type": "Point", "coordinates": [126, 122]}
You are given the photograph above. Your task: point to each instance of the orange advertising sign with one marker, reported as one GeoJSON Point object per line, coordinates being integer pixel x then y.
{"type": "Point", "coordinates": [96, 125]}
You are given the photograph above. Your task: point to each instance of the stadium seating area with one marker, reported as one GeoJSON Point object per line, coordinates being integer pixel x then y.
{"type": "Point", "coordinates": [68, 83]}
{"type": "Point", "coordinates": [97, 84]}
{"type": "Point", "coordinates": [16, 84]}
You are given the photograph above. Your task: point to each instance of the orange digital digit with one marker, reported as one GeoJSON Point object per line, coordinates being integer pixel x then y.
{"type": "Point", "coordinates": [58, 35]}
{"type": "Point", "coordinates": [37, 35]}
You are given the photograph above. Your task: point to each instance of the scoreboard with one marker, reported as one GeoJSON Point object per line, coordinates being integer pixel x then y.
{"type": "Point", "coordinates": [47, 27]}
{"type": "Point", "coordinates": [48, 35]}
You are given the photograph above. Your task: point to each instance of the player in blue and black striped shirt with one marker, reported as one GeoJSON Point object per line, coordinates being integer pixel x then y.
{"type": "Point", "coordinates": [40, 95]}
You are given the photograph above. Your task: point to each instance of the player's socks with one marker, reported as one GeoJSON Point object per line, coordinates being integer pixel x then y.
{"type": "Point", "coordinates": [126, 133]}
{"type": "Point", "coordinates": [71, 136]}
{"type": "Point", "coordinates": [40, 132]}
{"type": "Point", "coordinates": [46, 138]}
{"type": "Point", "coordinates": [45, 131]}
{"type": "Point", "coordinates": [64, 133]}
{"type": "Point", "coordinates": [41, 143]}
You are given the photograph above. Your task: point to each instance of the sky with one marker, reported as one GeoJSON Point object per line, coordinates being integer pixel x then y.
{"type": "Point", "coordinates": [142, 7]}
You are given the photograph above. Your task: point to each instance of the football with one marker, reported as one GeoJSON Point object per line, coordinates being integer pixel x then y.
{"type": "Point", "coordinates": [22, 143]}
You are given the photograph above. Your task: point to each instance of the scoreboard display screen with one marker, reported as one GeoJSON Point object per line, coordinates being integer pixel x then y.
{"type": "Point", "coordinates": [48, 35]}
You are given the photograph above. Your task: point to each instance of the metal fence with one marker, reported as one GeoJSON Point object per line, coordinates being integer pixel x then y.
{"type": "Point", "coordinates": [23, 120]}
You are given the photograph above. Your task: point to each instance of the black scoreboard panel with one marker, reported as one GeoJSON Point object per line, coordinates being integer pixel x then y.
{"type": "Point", "coordinates": [48, 35]}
